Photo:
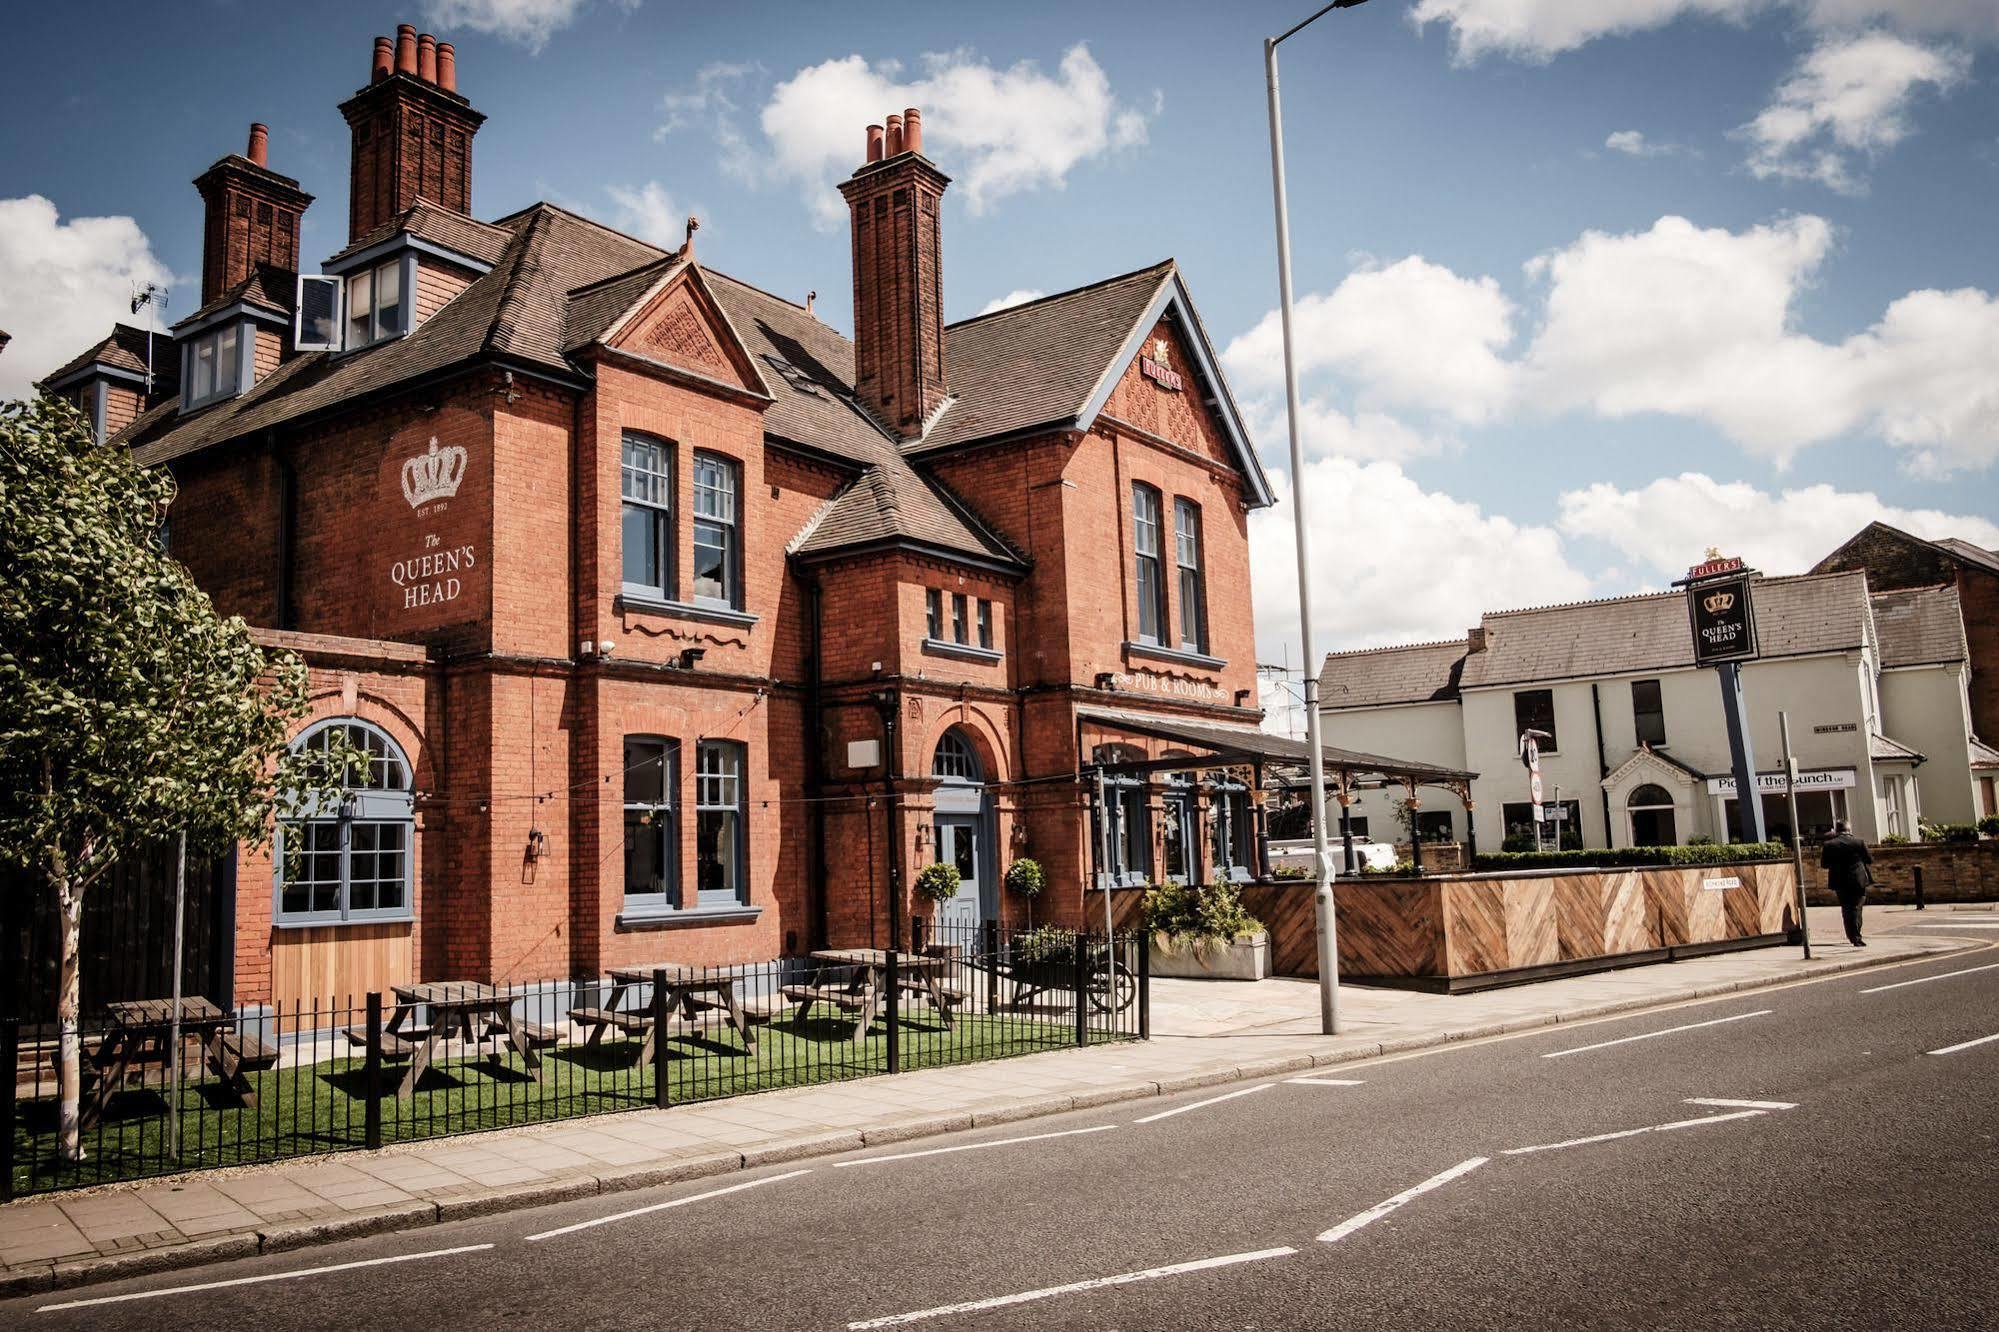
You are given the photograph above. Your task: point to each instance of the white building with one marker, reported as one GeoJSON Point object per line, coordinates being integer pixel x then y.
{"type": "Point", "coordinates": [1875, 687]}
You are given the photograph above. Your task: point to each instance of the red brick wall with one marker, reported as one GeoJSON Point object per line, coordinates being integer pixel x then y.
{"type": "Point", "coordinates": [409, 143]}
{"type": "Point", "coordinates": [1978, 600]}
{"type": "Point", "coordinates": [225, 528]}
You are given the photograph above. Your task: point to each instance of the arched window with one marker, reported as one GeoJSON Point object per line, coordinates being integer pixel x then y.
{"type": "Point", "coordinates": [349, 860]}
{"type": "Point", "coordinates": [1650, 808]}
{"type": "Point", "coordinates": [955, 760]}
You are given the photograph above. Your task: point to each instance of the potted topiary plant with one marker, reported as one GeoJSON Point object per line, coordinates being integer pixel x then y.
{"type": "Point", "coordinates": [1024, 878]}
{"type": "Point", "coordinates": [1205, 933]}
{"type": "Point", "coordinates": [937, 883]}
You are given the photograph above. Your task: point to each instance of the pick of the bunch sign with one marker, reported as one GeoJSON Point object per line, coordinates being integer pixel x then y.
{"type": "Point", "coordinates": [1724, 623]}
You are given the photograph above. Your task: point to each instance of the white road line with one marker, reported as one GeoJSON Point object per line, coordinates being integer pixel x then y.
{"type": "Point", "coordinates": [1381, 1209]}
{"type": "Point", "coordinates": [973, 1146]}
{"type": "Point", "coordinates": [1646, 1036]}
{"type": "Point", "coordinates": [661, 1207]}
{"type": "Point", "coordinates": [1632, 1133]}
{"type": "Point", "coordinates": [1925, 980]}
{"type": "Point", "coordinates": [1212, 1100]}
{"type": "Point", "coordinates": [255, 1280]}
{"type": "Point", "coordinates": [1048, 1292]}
{"type": "Point", "coordinates": [1742, 1105]}
{"type": "Point", "coordinates": [1944, 925]}
{"type": "Point", "coordinates": [1329, 1082]}
{"type": "Point", "coordinates": [1964, 1045]}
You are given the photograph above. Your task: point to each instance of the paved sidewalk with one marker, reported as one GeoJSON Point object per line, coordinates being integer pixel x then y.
{"type": "Point", "coordinates": [1204, 1033]}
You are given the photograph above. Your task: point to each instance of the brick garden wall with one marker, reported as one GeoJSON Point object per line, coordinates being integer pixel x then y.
{"type": "Point", "coordinates": [1952, 872]}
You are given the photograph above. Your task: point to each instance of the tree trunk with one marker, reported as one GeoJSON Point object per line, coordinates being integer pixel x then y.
{"type": "Point", "coordinates": [69, 995]}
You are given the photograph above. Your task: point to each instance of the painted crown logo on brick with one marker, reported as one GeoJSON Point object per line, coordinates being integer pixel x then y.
{"type": "Point", "coordinates": [433, 475]}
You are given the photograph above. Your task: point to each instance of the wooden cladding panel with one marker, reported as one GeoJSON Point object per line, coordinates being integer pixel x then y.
{"type": "Point", "coordinates": [336, 967]}
{"type": "Point", "coordinates": [1532, 934]}
{"type": "Point", "coordinates": [1388, 929]}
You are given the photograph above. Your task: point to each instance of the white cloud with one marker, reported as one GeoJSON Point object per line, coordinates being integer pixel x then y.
{"type": "Point", "coordinates": [1539, 30]}
{"type": "Point", "coordinates": [1698, 322]}
{"type": "Point", "coordinates": [1004, 131]}
{"type": "Point", "coordinates": [1394, 563]}
{"type": "Point", "coordinates": [649, 212]}
{"type": "Point", "coordinates": [1633, 143]}
{"type": "Point", "coordinates": [1412, 333]}
{"type": "Point", "coordinates": [528, 23]}
{"type": "Point", "coordinates": [1848, 99]}
{"type": "Point", "coordinates": [1018, 296]}
{"type": "Point", "coordinates": [1668, 523]}
{"type": "Point", "coordinates": [63, 284]}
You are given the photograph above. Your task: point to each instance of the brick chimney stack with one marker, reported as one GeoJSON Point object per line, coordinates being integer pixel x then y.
{"type": "Point", "coordinates": [251, 217]}
{"type": "Point", "coordinates": [412, 132]}
{"type": "Point", "coordinates": [898, 275]}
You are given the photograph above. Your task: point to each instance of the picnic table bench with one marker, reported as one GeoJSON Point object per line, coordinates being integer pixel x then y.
{"type": "Point", "coordinates": [690, 993]}
{"type": "Point", "coordinates": [920, 974]}
{"type": "Point", "coordinates": [141, 1032]}
{"type": "Point", "coordinates": [472, 1010]}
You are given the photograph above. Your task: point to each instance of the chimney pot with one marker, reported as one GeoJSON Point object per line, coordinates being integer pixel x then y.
{"type": "Point", "coordinates": [912, 130]}
{"type": "Point", "coordinates": [405, 48]}
{"type": "Point", "coordinates": [447, 67]}
{"type": "Point", "coordinates": [894, 136]}
{"type": "Point", "coordinates": [874, 143]}
{"type": "Point", "coordinates": [426, 58]}
{"type": "Point", "coordinates": [260, 144]}
{"type": "Point", "coordinates": [385, 60]}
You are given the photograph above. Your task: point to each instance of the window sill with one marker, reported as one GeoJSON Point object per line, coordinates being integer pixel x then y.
{"type": "Point", "coordinates": [667, 918]}
{"type": "Point", "coordinates": [652, 604]}
{"type": "Point", "coordinates": [341, 922]}
{"type": "Point", "coordinates": [944, 647]}
{"type": "Point", "coordinates": [1177, 655]}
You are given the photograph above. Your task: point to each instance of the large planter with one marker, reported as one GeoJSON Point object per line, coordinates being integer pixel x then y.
{"type": "Point", "coordinates": [1247, 958]}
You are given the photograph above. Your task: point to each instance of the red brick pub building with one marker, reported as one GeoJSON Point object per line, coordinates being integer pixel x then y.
{"type": "Point", "coordinates": [682, 626]}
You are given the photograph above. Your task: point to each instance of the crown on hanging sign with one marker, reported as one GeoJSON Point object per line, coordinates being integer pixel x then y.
{"type": "Point", "coordinates": [433, 475]}
{"type": "Point", "coordinates": [1717, 602]}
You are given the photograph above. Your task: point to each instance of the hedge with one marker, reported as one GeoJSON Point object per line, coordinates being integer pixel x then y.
{"type": "Point", "coordinates": [1629, 856]}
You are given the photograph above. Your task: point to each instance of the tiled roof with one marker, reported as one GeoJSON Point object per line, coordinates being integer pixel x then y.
{"type": "Point", "coordinates": [1970, 554]}
{"type": "Point", "coordinates": [125, 349]}
{"type": "Point", "coordinates": [270, 288]}
{"type": "Point", "coordinates": [1919, 626]}
{"type": "Point", "coordinates": [1037, 363]}
{"type": "Point", "coordinates": [1417, 673]}
{"type": "Point", "coordinates": [1880, 748]}
{"type": "Point", "coordinates": [1983, 755]}
{"type": "Point", "coordinates": [1794, 617]}
{"type": "Point", "coordinates": [484, 241]}
{"type": "Point", "coordinates": [593, 309]}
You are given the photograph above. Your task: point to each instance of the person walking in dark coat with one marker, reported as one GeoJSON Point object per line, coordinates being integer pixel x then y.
{"type": "Point", "coordinates": [1845, 860]}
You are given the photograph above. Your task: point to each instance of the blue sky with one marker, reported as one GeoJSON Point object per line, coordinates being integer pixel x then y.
{"type": "Point", "coordinates": [1528, 381]}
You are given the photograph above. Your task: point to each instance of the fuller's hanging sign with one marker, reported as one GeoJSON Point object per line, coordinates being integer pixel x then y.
{"type": "Point", "coordinates": [1718, 603]}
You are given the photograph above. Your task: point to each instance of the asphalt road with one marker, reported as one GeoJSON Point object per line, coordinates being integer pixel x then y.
{"type": "Point", "coordinates": [1860, 1188]}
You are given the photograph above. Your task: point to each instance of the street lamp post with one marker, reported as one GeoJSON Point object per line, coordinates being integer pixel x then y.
{"type": "Point", "coordinates": [1329, 956]}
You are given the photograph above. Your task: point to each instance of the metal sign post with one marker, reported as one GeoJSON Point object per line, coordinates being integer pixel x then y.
{"type": "Point", "coordinates": [1797, 844]}
{"type": "Point", "coordinates": [1722, 614]}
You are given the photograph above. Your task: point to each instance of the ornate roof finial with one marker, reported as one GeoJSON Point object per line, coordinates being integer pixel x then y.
{"type": "Point", "coordinates": [687, 246]}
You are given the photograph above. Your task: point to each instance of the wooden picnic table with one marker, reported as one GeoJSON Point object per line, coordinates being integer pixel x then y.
{"type": "Point", "coordinates": [867, 982]}
{"type": "Point", "coordinates": [472, 1009]}
{"type": "Point", "coordinates": [141, 1031]}
{"type": "Point", "coordinates": [690, 991]}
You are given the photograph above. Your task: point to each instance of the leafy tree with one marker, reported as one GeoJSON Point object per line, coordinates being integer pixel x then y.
{"type": "Point", "coordinates": [130, 711]}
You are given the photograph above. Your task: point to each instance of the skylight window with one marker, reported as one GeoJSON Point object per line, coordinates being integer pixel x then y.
{"type": "Point", "coordinates": [793, 376]}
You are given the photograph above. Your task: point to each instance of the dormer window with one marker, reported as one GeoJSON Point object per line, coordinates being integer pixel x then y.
{"type": "Point", "coordinates": [212, 364]}
{"type": "Point", "coordinates": [375, 305]}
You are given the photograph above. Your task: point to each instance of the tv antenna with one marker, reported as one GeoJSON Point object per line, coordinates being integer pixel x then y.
{"type": "Point", "coordinates": [154, 295]}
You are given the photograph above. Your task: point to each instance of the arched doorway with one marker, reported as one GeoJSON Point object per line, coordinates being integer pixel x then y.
{"type": "Point", "coordinates": [962, 826]}
{"type": "Point", "coordinates": [1652, 817]}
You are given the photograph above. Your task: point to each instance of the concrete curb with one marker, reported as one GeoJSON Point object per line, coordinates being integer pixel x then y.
{"type": "Point", "coordinates": [403, 1216]}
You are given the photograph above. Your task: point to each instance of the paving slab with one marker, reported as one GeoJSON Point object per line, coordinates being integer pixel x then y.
{"type": "Point", "coordinates": [1204, 1034]}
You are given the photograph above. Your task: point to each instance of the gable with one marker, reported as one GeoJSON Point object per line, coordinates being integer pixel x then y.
{"type": "Point", "coordinates": [1201, 408]}
{"type": "Point", "coordinates": [679, 324]}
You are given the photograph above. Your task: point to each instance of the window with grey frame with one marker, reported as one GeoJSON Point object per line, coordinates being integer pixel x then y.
{"type": "Point", "coordinates": [959, 610]}
{"type": "Point", "coordinates": [985, 624]}
{"type": "Point", "coordinates": [1231, 831]}
{"type": "Point", "coordinates": [376, 308]}
{"type": "Point", "coordinates": [721, 849]}
{"type": "Point", "coordinates": [646, 485]}
{"type": "Point", "coordinates": [1193, 592]}
{"type": "Point", "coordinates": [652, 829]}
{"type": "Point", "coordinates": [214, 365]}
{"type": "Point", "coordinates": [1149, 576]}
{"type": "Point", "coordinates": [1180, 842]}
{"type": "Point", "coordinates": [933, 613]}
{"type": "Point", "coordinates": [718, 542]}
{"type": "Point", "coordinates": [349, 860]}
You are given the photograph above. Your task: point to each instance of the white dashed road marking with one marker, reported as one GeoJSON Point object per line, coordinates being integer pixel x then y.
{"type": "Point", "coordinates": [1925, 980]}
{"type": "Point", "coordinates": [1964, 1045]}
{"type": "Point", "coordinates": [1742, 1105]}
{"type": "Point", "coordinates": [1329, 1082]}
{"type": "Point", "coordinates": [257, 1280]}
{"type": "Point", "coordinates": [1199, 1105]}
{"type": "Point", "coordinates": [1646, 1036]}
{"type": "Point", "coordinates": [973, 1146]}
{"type": "Point", "coordinates": [1381, 1209]}
{"type": "Point", "coordinates": [661, 1207]}
{"type": "Point", "coordinates": [1049, 1292]}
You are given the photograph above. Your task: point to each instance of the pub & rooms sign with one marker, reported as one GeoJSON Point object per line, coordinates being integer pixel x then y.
{"type": "Point", "coordinates": [1772, 783]}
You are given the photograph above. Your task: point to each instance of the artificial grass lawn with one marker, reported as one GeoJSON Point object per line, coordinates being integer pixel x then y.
{"type": "Point", "coordinates": [320, 1107]}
